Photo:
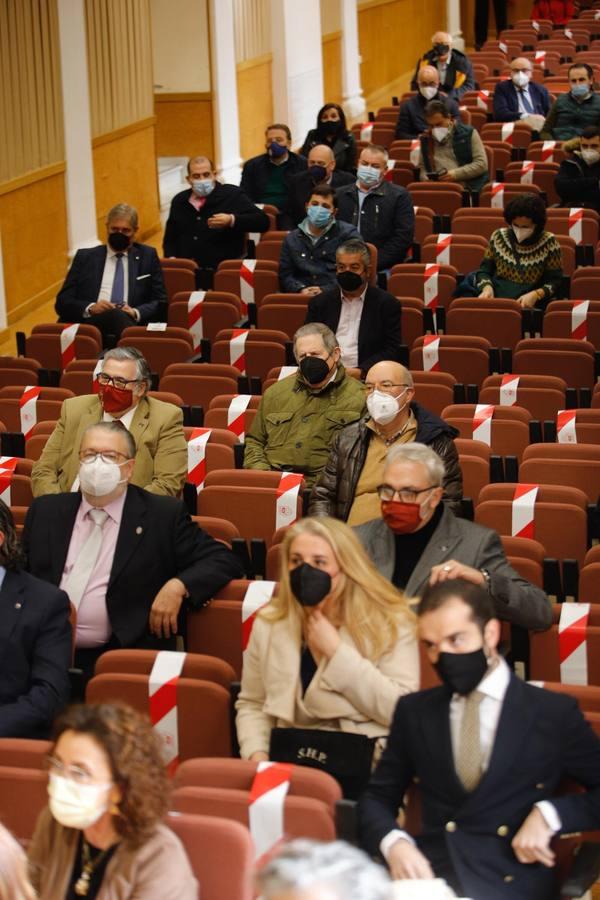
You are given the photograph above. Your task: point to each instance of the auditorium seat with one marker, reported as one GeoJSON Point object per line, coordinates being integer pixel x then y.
{"type": "Point", "coordinates": [23, 795]}
{"type": "Point", "coordinates": [139, 662]}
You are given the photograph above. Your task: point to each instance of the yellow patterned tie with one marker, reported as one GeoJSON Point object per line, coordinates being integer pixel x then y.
{"type": "Point", "coordinates": [469, 757]}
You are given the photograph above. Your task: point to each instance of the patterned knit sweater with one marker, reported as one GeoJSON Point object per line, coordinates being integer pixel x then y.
{"type": "Point", "coordinates": [514, 269]}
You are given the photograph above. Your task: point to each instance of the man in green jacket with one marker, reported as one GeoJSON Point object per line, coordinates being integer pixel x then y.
{"type": "Point", "coordinates": [299, 416]}
{"type": "Point", "coordinates": [576, 110]}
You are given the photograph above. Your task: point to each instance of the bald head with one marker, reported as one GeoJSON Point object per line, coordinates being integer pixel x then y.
{"type": "Point", "coordinates": [521, 64]}
{"type": "Point", "coordinates": [386, 370]}
{"type": "Point", "coordinates": [428, 77]}
{"type": "Point", "coordinates": [442, 37]}
{"type": "Point", "coordinates": [322, 155]}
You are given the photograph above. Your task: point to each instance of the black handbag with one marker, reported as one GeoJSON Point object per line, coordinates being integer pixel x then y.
{"type": "Point", "coordinates": [347, 757]}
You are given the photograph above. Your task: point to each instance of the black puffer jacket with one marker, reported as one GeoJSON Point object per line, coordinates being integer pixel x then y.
{"type": "Point", "coordinates": [333, 493]}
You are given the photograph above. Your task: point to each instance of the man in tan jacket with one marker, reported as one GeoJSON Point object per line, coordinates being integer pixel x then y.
{"type": "Point", "coordinates": [156, 427]}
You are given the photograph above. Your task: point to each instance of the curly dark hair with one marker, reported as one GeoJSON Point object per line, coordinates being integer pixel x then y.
{"type": "Point", "coordinates": [11, 553]}
{"type": "Point", "coordinates": [528, 205]}
{"type": "Point", "coordinates": [135, 757]}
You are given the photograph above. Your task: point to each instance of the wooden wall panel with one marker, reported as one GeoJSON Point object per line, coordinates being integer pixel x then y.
{"type": "Point", "coordinates": [255, 104]}
{"type": "Point", "coordinates": [125, 172]}
{"type": "Point", "coordinates": [332, 67]}
{"type": "Point", "coordinates": [518, 9]}
{"type": "Point", "coordinates": [184, 125]}
{"type": "Point", "coordinates": [34, 238]}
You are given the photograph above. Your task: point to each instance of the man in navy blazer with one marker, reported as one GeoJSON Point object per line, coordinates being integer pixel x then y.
{"type": "Point", "coordinates": [487, 753]}
{"type": "Point", "coordinates": [35, 643]}
{"type": "Point", "coordinates": [114, 285]}
{"type": "Point", "coordinates": [365, 319]}
{"type": "Point", "coordinates": [519, 99]}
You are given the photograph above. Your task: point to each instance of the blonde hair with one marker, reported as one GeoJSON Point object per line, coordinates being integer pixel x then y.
{"type": "Point", "coordinates": [14, 883]}
{"type": "Point", "coordinates": [364, 602]}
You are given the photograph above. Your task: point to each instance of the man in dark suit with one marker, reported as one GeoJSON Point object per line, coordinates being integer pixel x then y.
{"type": "Point", "coordinates": [128, 559]}
{"type": "Point", "coordinates": [117, 285]}
{"type": "Point", "coordinates": [520, 99]}
{"type": "Point", "coordinates": [321, 170]}
{"type": "Point", "coordinates": [364, 319]}
{"type": "Point", "coordinates": [208, 222]}
{"type": "Point", "coordinates": [266, 178]}
{"type": "Point", "coordinates": [411, 118]}
{"type": "Point", "coordinates": [35, 643]}
{"type": "Point", "coordinates": [488, 753]}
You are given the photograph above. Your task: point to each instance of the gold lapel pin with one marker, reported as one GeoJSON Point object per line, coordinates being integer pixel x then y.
{"type": "Point", "coordinates": [139, 529]}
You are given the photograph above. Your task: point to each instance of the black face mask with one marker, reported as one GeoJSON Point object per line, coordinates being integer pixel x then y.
{"type": "Point", "coordinates": [309, 585]}
{"type": "Point", "coordinates": [349, 281]}
{"type": "Point", "coordinates": [317, 173]}
{"type": "Point", "coordinates": [118, 241]}
{"type": "Point", "coordinates": [314, 369]}
{"type": "Point", "coordinates": [462, 672]}
{"type": "Point", "coordinates": [441, 49]}
{"type": "Point", "coordinates": [330, 127]}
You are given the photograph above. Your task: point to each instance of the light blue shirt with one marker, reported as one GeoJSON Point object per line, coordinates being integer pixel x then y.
{"type": "Point", "coordinates": [2, 574]}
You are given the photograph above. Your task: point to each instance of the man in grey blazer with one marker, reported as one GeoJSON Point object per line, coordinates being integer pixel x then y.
{"type": "Point", "coordinates": [418, 541]}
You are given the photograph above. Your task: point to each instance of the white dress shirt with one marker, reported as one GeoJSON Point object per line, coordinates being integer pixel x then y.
{"type": "Point", "coordinates": [347, 330]}
{"type": "Point", "coordinates": [524, 113]}
{"type": "Point", "coordinates": [108, 275]}
{"type": "Point", "coordinates": [493, 685]}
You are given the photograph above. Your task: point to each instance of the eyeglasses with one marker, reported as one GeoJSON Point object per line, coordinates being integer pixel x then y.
{"type": "Point", "coordinates": [74, 773]}
{"type": "Point", "coordinates": [385, 386]}
{"type": "Point", "coordinates": [119, 383]}
{"type": "Point", "coordinates": [406, 495]}
{"type": "Point", "coordinates": [108, 456]}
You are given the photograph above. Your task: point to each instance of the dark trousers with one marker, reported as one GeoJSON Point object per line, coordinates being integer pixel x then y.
{"type": "Point", "coordinates": [482, 12]}
{"type": "Point", "coordinates": [111, 324]}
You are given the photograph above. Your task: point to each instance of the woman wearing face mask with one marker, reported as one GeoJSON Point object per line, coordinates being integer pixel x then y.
{"type": "Point", "coordinates": [333, 651]}
{"type": "Point", "coordinates": [331, 130]}
{"type": "Point", "coordinates": [101, 835]}
{"type": "Point", "coordinates": [522, 261]}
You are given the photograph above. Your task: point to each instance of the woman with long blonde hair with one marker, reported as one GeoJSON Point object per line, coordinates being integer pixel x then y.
{"type": "Point", "coordinates": [333, 651]}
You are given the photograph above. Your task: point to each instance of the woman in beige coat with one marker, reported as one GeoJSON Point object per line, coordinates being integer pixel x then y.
{"type": "Point", "coordinates": [101, 835]}
{"type": "Point", "coordinates": [334, 650]}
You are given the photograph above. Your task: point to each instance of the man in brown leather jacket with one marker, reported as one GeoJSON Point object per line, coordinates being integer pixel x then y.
{"type": "Point", "coordinates": [347, 487]}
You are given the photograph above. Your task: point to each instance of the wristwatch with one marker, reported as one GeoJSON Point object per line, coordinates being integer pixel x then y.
{"type": "Point", "coordinates": [488, 578]}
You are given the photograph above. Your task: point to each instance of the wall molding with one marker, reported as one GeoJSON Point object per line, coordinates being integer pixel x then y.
{"type": "Point", "coordinates": [369, 4]}
{"type": "Point", "coordinates": [332, 36]}
{"type": "Point", "coordinates": [32, 303]}
{"type": "Point", "coordinates": [182, 97]}
{"type": "Point", "coordinates": [254, 63]}
{"type": "Point", "coordinates": [22, 181]}
{"type": "Point", "coordinates": [118, 133]}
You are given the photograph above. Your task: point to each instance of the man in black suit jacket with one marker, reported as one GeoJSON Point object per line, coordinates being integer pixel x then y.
{"type": "Point", "coordinates": [411, 117]}
{"type": "Point", "coordinates": [208, 222]}
{"type": "Point", "coordinates": [488, 753]}
{"type": "Point", "coordinates": [519, 99]}
{"type": "Point", "coordinates": [35, 644]}
{"type": "Point", "coordinates": [152, 557]}
{"type": "Point", "coordinates": [117, 285]}
{"type": "Point", "coordinates": [266, 178]}
{"type": "Point", "coordinates": [321, 170]}
{"type": "Point", "coordinates": [365, 319]}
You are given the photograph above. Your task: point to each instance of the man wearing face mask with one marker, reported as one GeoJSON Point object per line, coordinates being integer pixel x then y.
{"type": "Point", "coordinates": [411, 119]}
{"type": "Point", "coordinates": [519, 99]}
{"type": "Point", "coordinates": [347, 488]}
{"type": "Point", "coordinates": [307, 261]}
{"type": "Point", "coordinates": [381, 211]}
{"type": "Point", "coordinates": [574, 110]}
{"type": "Point", "coordinates": [116, 284]}
{"type": "Point", "coordinates": [156, 427]}
{"type": "Point", "coordinates": [417, 541]}
{"type": "Point", "coordinates": [450, 150]}
{"type": "Point", "coordinates": [487, 753]}
{"type": "Point", "coordinates": [299, 416]}
{"type": "Point", "coordinates": [578, 179]}
{"type": "Point", "coordinates": [454, 68]}
{"type": "Point", "coordinates": [129, 560]}
{"type": "Point", "coordinates": [209, 221]}
{"type": "Point", "coordinates": [266, 178]}
{"type": "Point", "coordinates": [322, 170]}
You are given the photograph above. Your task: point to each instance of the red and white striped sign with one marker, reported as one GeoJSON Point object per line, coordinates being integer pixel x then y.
{"type": "Point", "coordinates": [366, 131]}
{"type": "Point", "coordinates": [67, 344]}
{"type": "Point", "coordinates": [579, 319]}
{"type": "Point", "coordinates": [256, 235]}
{"type": "Point", "coordinates": [258, 594]}
{"type": "Point", "coordinates": [572, 642]}
{"type": "Point", "coordinates": [548, 148]}
{"type": "Point", "coordinates": [266, 806]}
{"type": "Point", "coordinates": [195, 309]}
{"type": "Point", "coordinates": [95, 373]}
{"type": "Point", "coordinates": [162, 695]}
{"type": "Point", "coordinates": [415, 154]}
{"type": "Point", "coordinates": [236, 415]}
{"type": "Point", "coordinates": [431, 353]}
{"type": "Point", "coordinates": [483, 99]}
{"type": "Point", "coordinates": [523, 511]}
{"type": "Point", "coordinates": [568, 33]}
{"type": "Point", "coordinates": [390, 166]}
{"type": "Point", "coordinates": [7, 470]}
{"type": "Point", "coordinates": [498, 194]}
{"type": "Point", "coordinates": [431, 286]}
{"type": "Point", "coordinates": [506, 132]}
{"type": "Point", "coordinates": [482, 423]}
{"type": "Point", "coordinates": [442, 249]}
{"type": "Point", "coordinates": [196, 449]}
{"type": "Point", "coordinates": [503, 46]}
{"type": "Point", "coordinates": [565, 426]}
{"type": "Point", "coordinates": [287, 499]}
{"type": "Point", "coordinates": [540, 56]}
{"type": "Point", "coordinates": [237, 348]}
{"type": "Point", "coordinates": [28, 409]}
{"type": "Point", "coordinates": [247, 283]}
{"type": "Point", "coordinates": [508, 390]}
{"type": "Point", "coordinates": [285, 371]}
{"type": "Point", "coordinates": [576, 224]}
{"type": "Point", "coordinates": [527, 170]}
{"type": "Point", "coordinates": [535, 25]}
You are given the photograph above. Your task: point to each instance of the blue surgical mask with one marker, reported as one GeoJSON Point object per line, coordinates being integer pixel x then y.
{"type": "Point", "coordinates": [580, 90]}
{"type": "Point", "coordinates": [277, 150]}
{"type": "Point", "coordinates": [318, 216]}
{"type": "Point", "coordinates": [202, 188]}
{"type": "Point", "coordinates": [368, 175]}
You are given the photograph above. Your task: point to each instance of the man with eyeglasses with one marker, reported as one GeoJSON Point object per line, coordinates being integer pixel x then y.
{"type": "Point", "coordinates": [116, 284]}
{"type": "Point", "coordinates": [156, 427]}
{"type": "Point", "coordinates": [130, 561]}
{"type": "Point", "coordinates": [347, 487]}
{"type": "Point", "coordinates": [415, 541]}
